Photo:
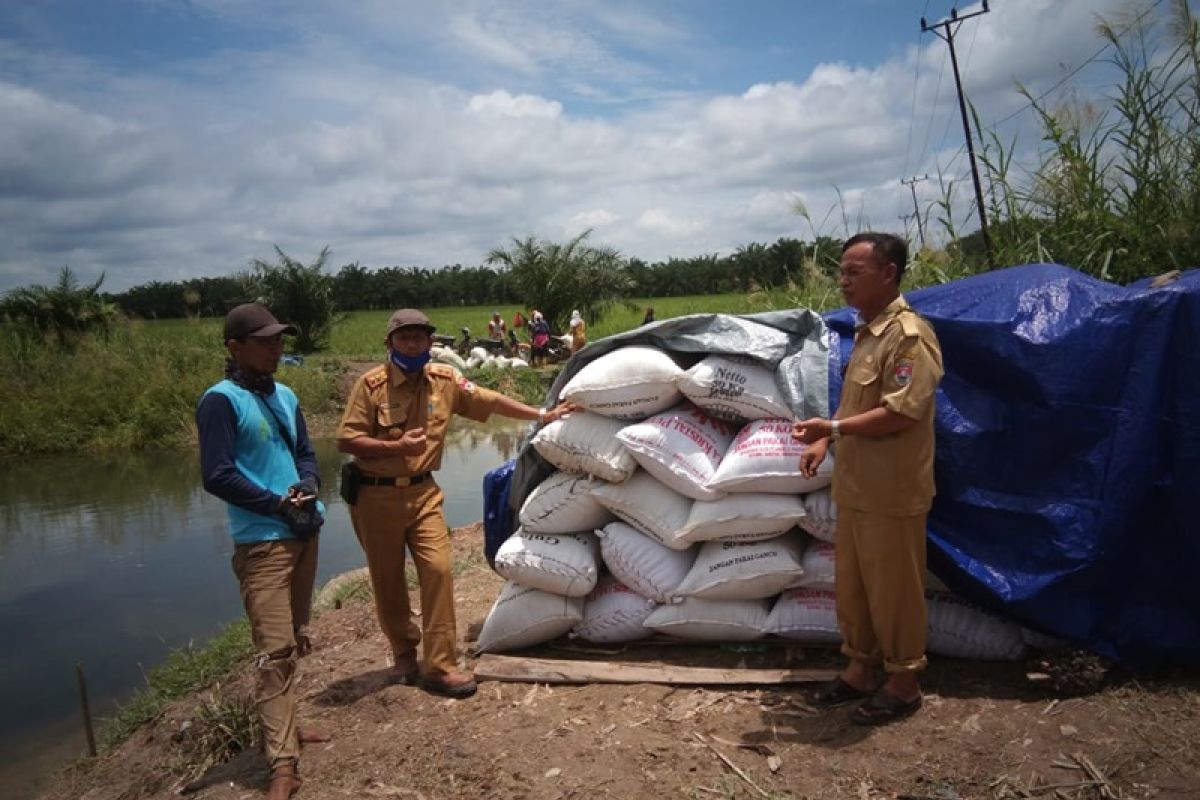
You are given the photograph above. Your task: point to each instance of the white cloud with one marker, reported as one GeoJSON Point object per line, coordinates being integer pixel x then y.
{"type": "Point", "coordinates": [596, 218]}
{"type": "Point", "coordinates": [522, 105]}
{"type": "Point", "coordinates": [662, 222]}
{"type": "Point", "coordinates": [193, 171]}
{"type": "Point", "coordinates": [491, 45]}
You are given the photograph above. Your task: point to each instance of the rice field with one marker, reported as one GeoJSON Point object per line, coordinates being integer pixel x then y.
{"type": "Point", "coordinates": [359, 335]}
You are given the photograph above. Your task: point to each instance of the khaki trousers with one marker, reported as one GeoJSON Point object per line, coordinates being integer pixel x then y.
{"type": "Point", "coordinates": [276, 580]}
{"type": "Point", "coordinates": [880, 574]}
{"type": "Point", "coordinates": [386, 520]}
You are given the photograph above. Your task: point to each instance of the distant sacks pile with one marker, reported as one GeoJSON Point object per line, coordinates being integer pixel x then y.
{"type": "Point", "coordinates": [678, 507]}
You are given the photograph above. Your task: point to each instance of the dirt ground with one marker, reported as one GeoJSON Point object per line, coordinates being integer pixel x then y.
{"type": "Point", "coordinates": [985, 732]}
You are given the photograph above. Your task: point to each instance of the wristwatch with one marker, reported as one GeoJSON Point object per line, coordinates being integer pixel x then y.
{"type": "Point", "coordinates": [541, 416]}
{"type": "Point", "coordinates": [835, 429]}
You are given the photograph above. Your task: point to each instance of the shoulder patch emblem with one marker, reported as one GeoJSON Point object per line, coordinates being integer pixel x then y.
{"type": "Point", "coordinates": [376, 377]}
{"type": "Point", "coordinates": [902, 372]}
{"type": "Point", "coordinates": [466, 385]}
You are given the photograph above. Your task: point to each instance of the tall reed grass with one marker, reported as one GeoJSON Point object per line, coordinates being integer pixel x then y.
{"type": "Point", "coordinates": [136, 390]}
{"type": "Point", "coordinates": [1115, 192]}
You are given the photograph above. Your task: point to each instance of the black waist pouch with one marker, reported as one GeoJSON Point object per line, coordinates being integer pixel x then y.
{"type": "Point", "coordinates": [350, 482]}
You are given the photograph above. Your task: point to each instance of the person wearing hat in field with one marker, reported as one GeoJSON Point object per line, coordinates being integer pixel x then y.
{"type": "Point", "coordinates": [578, 329]}
{"type": "Point", "coordinates": [255, 455]}
{"type": "Point", "coordinates": [395, 428]}
{"type": "Point", "coordinates": [497, 330]}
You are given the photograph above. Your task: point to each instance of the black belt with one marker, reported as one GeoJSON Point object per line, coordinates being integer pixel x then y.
{"type": "Point", "coordinates": [370, 480]}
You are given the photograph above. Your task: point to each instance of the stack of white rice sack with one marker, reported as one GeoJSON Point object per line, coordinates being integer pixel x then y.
{"type": "Point", "coordinates": [476, 359]}
{"type": "Point", "coordinates": [678, 507]}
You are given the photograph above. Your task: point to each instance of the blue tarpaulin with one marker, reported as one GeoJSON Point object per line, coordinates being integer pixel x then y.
{"type": "Point", "coordinates": [1068, 448]}
{"type": "Point", "coordinates": [1068, 454]}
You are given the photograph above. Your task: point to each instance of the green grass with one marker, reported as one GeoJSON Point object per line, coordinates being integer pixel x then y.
{"type": "Point", "coordinates": [138, 389]}
{"type": "Point", "coordinates": [361, 333]}
{"type": "Point", "coordinates": [185, 670]}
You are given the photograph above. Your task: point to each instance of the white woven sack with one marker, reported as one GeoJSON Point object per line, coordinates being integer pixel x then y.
{"type": "Point", "coordinates": [818, 564]}
{"type": "Point", "coordinates": [563, 503]}
{"type": "Point", "coordinates": [522, 617]}
{"type": "Point", "coordinates": [962, 630]}
{"type": "Point", "coordinates": [765, 458]}
{"type": "Point", "coordinates": [649, 506]}
{"type": "Point", "coordinates": [681, 447]}
{"type": "Point", "coordinates": [744, 570]}
{"type": "Point", "coordinates": [586, 444]}
{"type": "Point", "coordinates": [820, 517]}
{"type": "Point", "coordinates": [734, 388]}
{"type": "Point", "coordinates": [806, 615]}
{"type": "Point", "coordinates": [642, 564]}
{"type": "Point", "coordinates": [742, 518]}
{"type": "Point", "coordinates": [613, 613]}
{"type": "Point", "coordinates": [560, 563]}
{"type": "Point", "coordinates": [703, 620]}
{"type": "Point", "coordinates": [630, 383]}
{"type": "Point", "coordinates": [448, 356]}
{"type": "Point", "coordinates": [479, 353]}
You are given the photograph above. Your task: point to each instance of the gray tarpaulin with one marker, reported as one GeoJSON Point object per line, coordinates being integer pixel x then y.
{"type": "Point", "coordinates": [792, 343]}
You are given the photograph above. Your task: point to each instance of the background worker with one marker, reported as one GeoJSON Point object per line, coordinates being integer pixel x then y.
{"type": "Point", "coordinates": [395, 427]}
{"type": "Point", "coordinates": [882, 484]}
{"type": "Point", "coordinates": [496, 327]}
{"type": "Point", "coordinates": [539, 342]}
{"type": "Point", "coordinates": [578, 330]}
{"type": "Point", "coordinates": [256, 456]}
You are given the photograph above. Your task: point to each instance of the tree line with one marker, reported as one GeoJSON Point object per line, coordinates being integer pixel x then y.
{"type": "Point", "coordinates": [353, 287]}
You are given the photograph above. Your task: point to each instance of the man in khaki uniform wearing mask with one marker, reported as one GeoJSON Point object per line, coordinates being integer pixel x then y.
{"type": "Point", "coordinates": [882, 484]}
{"type": "Point", "coordinates": [395, 426]}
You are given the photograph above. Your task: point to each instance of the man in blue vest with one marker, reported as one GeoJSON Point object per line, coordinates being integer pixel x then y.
{"type": "Point", "coordinates": [255, 455]}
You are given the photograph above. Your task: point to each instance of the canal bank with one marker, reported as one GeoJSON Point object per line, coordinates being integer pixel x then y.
{"type": "Point", "coordinates": [113, 562]}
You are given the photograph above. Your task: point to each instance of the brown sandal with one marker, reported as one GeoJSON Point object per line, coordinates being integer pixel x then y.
{"type": "Point", "coordinates": [284, 772]}
{"type": "Point", "coordinates": [884, 707]}
{"type": "Point", "coordinates": [834, 693]}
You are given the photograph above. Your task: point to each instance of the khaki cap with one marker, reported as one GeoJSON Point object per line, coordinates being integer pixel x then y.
{"type": "Point", "coordinates": [409, 318]}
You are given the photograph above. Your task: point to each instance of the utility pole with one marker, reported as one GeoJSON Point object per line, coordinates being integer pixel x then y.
{"type": "Point", "coordinates": [911, 183]}
{"type": "Point", "coordinates": [949, 27]}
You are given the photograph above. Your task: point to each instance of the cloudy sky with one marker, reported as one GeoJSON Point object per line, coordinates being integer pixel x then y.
{"type": "Point", "coordinates": [165, 139]}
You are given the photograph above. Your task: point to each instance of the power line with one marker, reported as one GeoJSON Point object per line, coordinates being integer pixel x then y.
{"type": "Point", "coordinates": [947, 35]}
{"type": "Point", "coordinates": [911, 183]}
{"type": "Point", "coordinates": [1094, 57]}
{"type": "Point", "coordinates": [912, 112]}
{"type": "Point", "coordinates": [966, 66]}
{"type": "Point", "coordinates": [937, 93]}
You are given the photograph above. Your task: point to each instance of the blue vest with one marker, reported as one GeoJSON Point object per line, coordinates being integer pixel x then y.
{"type": "Point", "coordinates": [262, 456]}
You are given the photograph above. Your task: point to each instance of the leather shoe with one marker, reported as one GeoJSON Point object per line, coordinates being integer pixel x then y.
{"type": "Point", "coordinates": [405, 670]}
{"type": "Point", "coordinates": [454, 684]}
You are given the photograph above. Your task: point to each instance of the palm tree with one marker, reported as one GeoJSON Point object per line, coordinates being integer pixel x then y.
{"type": "Point", "coordinates": [64, 312]}
{"type": "Point", "coordinates": [558, 278]}
{"type": "Point", "coordinates": [299, 295]}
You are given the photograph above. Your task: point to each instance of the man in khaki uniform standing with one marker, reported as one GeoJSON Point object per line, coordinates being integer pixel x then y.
{"type": "Point", "coordinates": [882, 483]}
{"type": "Point", "coordinates": [395, 427]}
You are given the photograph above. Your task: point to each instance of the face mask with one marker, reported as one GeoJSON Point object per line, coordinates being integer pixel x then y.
{"type": "Point", "coordinates": [410, 364]}
{"type": "Point", "coordinates": [259, 384]}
